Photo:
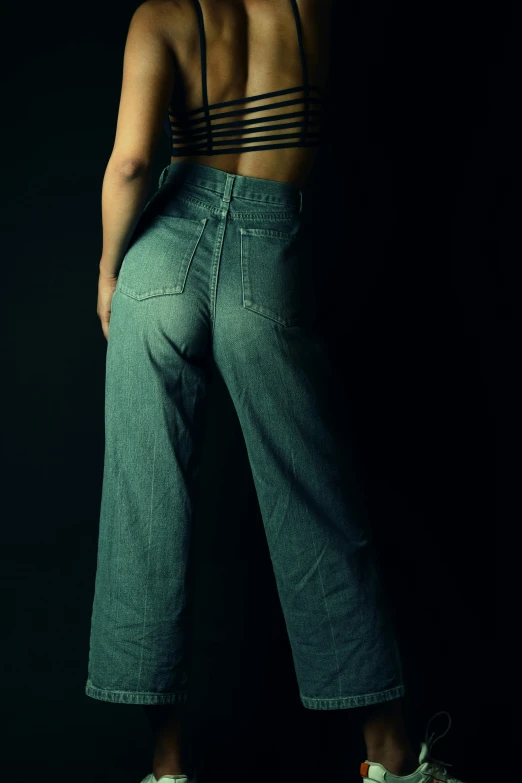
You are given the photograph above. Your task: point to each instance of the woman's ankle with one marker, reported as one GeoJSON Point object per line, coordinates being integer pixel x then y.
{"type": "Point", "coordinates": [396, 762]}
{"type": "Point", "coordinates": [169, 769]}
{"type": "Point", "coordinates": [386, 736]}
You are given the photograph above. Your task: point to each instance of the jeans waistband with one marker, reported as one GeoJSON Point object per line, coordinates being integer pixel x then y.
{"type": "Point", "coordinates": [229, 185]}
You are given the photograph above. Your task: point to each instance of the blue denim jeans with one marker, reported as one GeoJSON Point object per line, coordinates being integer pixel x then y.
{"type": "Point", "coordinates": [219, 267]}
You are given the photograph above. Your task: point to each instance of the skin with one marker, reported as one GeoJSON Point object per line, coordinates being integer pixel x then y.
{"type": "Point", "coordinates": [252, 48]}
{"type": "Point", "coordinates": [382, 725]}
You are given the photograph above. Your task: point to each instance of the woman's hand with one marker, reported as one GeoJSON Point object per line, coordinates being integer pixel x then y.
{"type": "Point", "coordinates": [106, 287]}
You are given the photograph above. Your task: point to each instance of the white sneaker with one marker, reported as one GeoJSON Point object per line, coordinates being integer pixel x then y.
{"type": "Point", "coordinates": [429, 770]}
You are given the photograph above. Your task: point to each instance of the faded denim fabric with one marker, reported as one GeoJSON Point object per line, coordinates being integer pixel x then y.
{"type": "Point", "coordinates": [218, 267]}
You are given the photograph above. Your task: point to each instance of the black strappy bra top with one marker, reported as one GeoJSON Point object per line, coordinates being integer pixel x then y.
{"type": "Point", "coordinates": [210, 131]}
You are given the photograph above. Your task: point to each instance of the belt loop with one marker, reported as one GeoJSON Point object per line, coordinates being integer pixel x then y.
{"type": "Point", "coordinates": [229, 184]}
{"type": "Point", "coordinates": [300, 201]}
{"type": "Point", "coordinates": [162, 175]}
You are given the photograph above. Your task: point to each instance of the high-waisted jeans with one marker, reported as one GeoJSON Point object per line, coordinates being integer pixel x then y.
{"type": "Point", "coordinates": [219, 266]}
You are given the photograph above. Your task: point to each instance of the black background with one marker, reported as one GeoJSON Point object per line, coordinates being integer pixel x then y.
{"type": "Point", "coordinates": [418, 227]}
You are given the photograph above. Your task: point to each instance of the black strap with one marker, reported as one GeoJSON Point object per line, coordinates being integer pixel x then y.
{"type": "Point", "coordinates": [303, 64]}
{"type": "Point", "coordinates": [203, 48]}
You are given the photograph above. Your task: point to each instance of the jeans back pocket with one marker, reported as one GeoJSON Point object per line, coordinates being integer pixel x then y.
{"type": "Point", "coordinates": [275, 275]}
{"type": "Point", "coordinates": [158, 261]}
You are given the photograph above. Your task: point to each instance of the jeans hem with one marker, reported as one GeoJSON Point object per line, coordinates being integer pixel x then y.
{"type": "Point", "coordinates": [344, 702]}
{"type": "Point", "coordinates": [134, 697]}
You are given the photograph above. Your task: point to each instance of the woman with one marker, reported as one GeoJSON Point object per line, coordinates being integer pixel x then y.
{"type": "Point", "coordinates": [216, 265]}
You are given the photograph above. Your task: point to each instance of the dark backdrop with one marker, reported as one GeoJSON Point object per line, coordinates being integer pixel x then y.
{"type": "Point", "coordinates": [420, 309]}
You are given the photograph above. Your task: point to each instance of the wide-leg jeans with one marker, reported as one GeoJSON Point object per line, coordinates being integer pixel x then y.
{"type": "Point", "coordinates": [219, 266]}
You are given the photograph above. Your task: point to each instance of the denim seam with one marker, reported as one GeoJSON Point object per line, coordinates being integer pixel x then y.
{"type": "Point", "coordinates": [135, 697]}
{"type": "Point", "coordinates": [362, 700]}
{"type": "Point", "coordinates": [283, 215]}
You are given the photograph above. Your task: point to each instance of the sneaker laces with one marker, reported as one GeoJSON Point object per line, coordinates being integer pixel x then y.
{"type": "Point", "coordinates": [425, 754]}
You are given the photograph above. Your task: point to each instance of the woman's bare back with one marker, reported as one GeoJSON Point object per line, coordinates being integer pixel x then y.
{"type": "Point", "coordinates": [252, 48]}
